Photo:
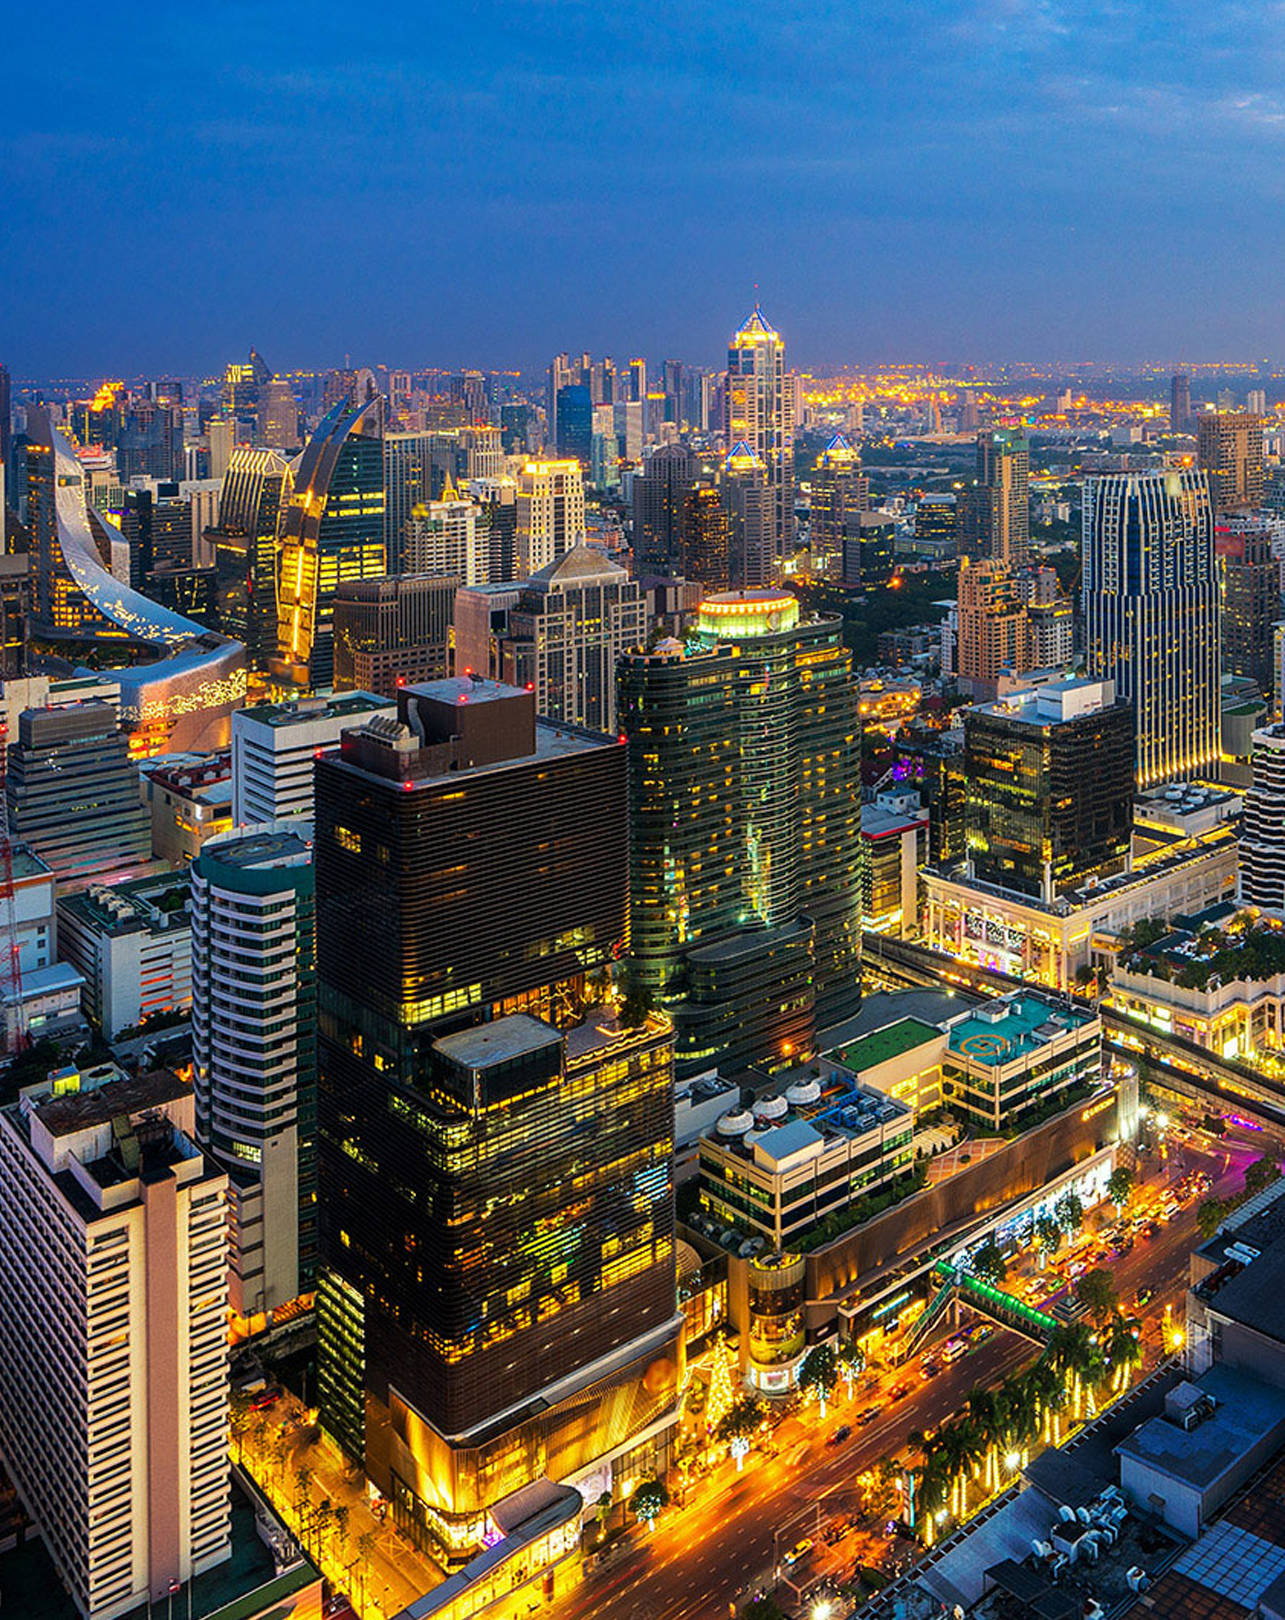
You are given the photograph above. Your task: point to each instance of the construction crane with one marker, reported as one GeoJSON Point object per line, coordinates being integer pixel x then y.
{"type": "Point", "coordinates": [15, 1030]}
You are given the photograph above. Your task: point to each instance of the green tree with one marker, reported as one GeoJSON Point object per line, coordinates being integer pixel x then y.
{"type": "Point", "coordinates": [649, 1501]}
{"type": "Point", "coordinates": [1096, 1291]}
{"type": "Point", "coordinates": [852, 1359]}
{"type": "Point", "coordinates": [742, 1420]}
{"type": "Point", "coordinates": [1048, 1234]}
{"type": "Point", "coordinates": [365, 1552]}
{"type": "Point", "coordinates": [988, 1263]}
{"type": "Point", "coordinates": [1210, 1216]}
{"type": "Point", "coordinates": [818, 1372]}
{"type": "Point", "coordinates": [1120, 1186]}
{"type": "Point", "coordinates": [1069, 1213]}
{"type": "Point", "coordinates": [1261, 1174]}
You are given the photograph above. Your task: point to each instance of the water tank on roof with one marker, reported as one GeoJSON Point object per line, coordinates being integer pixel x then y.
{"type": "Point", "coordinates": [768, 1108]}
{"type": "Point", "coordinates": [803, 1091]}
{"type": "Point", "coordinates": [737, 1123]}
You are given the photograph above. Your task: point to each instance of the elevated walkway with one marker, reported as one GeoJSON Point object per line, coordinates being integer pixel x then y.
{"type": "Point", "coordinates": [961, 1287]}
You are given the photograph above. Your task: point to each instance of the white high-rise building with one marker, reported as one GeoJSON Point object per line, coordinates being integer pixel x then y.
{"type": "Point", "coordinates": [1151, 614]}
{"type": "Point", "coordinates": [551, 517]}
{"type": "Point", "coordinates": [760, 414]}
{"type": "Point", "coordinates": [113, 1339]}
{"type": "Point", "coordinates": [484, 452]}
{"type": "Point", "coordinates": [1262, 828]}
{"type": "Point", "coordinates": [275, 745]}
{"type": "Point", "coordinates": [254, 1055]}
{"type": "Point", "coordinates": [442, 540]}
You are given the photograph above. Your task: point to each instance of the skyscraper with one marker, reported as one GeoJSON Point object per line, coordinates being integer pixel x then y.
{"type": "Point", "coordinates": [750, 507]}
{"type": "Point", "coordinates": [759, 415]}
{"type": "Point", "coordinates": [1229, 448]}
{"type": "Point", "coordinates": [393, 632]}
{"type": "Point", "coordinates": [1150, 593]}
{"type": "Point", "coordinates": [1180, 403]}
{"type": "Point", "coordinates": [566, 634]}
{"type": "Point", "coordinates": [1262, 830]}
{"type": "Point", "coordinates": [1251, 598]}
{"type": "Point", "coordinates": [254, 1034]}
{"type": "Point", "coordinates": [441, 539]}
{"type": "Point", "coordinates": [278, 415]}
{"type": "Point", "coordinates": [995, 517]}
{"type": "Point", "coordinates": [838, 492]}
{"type": "Point", "coordinates": [497, 1203]}
{"type": "Point", "coordinates": [573, 424]}
{"type": "Point", "coordinates": [706, 539]}
{"type": "Point", "coordinates": [245, 550]}
{"type": "Point", "coordinates": [1050, 791]}
{"type": "Point", "coordinates": [745, 830]}
{"type": "Point", "coordinates": [332, 529]}
{"type": "Point", "coordinates": [994, 630]}
{"type": "Point", "coordinates": [550, 513]}
{"type": "Point", "coordinates": [660, 489]}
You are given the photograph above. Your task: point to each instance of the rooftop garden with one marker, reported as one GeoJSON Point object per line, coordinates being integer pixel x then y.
{"type": "Point", "coordinates": [1242, 947]}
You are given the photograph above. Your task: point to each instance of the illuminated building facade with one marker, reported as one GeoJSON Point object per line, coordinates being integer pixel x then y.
{"type": "Point", "coordinates": [838, 491]}
{"type": "Point", "coordinates": [495, 1153]}
{"type": "Point", "coordinates": [753, 558]}
{"type": "Point", "coordinates": [1251, 599]}
{"type": "Point", "coordinates": [1150, 592]}
{"type": "Point", "coordinates": [550, 514]}
{"type": "Point", "coordinates": [408, 484]}
{"type": "Point", "coordinates": [661, 488]}
{"type": "Point", "coordinates": [1229, 449]}
{"type": "Point", "coordinates": [1050, 788]}
{"type": "Point", "coordinates": [994, 630]}
{"type": "Point", "coordinates": [392, 632]}
{"type": "Point", "coordinates": [744, 831]}
{"type": "Point", "coordinates": [1262, 836]}
{"type": "Point", "coordinates": [996, 511]}
{"type": "Point", "coordinates": [254, 1035]}
{"type": "Point", "coordinates": [707, 539]}
{"type": "Point", "coordinates": [245, 550]}
{"type": "Point", "coordinates": [760, 414]}
{"type": "Point", "coordinates": [332, 528]}
{"type": "Point", "coordinates": [278, 415]}
{"type": "Point", "coordinates": [442, 539]}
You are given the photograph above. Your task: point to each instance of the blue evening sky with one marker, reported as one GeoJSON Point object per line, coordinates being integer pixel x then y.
{"type": "Point", "coordinates": [450, 184]}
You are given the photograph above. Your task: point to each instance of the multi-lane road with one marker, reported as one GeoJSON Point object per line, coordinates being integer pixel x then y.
{"type": "Point", "coordinates": [708, 1555]}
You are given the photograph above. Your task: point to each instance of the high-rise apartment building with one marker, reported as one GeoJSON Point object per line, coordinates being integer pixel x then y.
{"type": "Point", "coordinates": [1050, 790]}
{"type": "Point", "coordinates": [994, 628]}
{"type": "Point", "coordinates": [245, 550]}
{"type": "Point", "coordinates": [839, 491]}
{"type": "Point", "coordinates": [759, 415]}
{"type": "Point", "coordinates": [393, 632]}
{"type": "Point", "coordinates": [113, 1348]}
{"type": "Point", "coordinates": [254, 1032]}
{"type": "Point", "coordinates": [1229, 448]}
{"type": "Point", "coordinates": [275, 747]}
{"type": "Point", "coordinates": [745, 830]}
{"type": "Point", "coordinates": [73, 792]}
{"type": "Point", "coordinates": [496, 1194]}
{"type": "Point", "coordinates": [1180, 414]}
{"type": "Point", "coordinates": [408, 461]}
{"type": "Point", "coordinates": [332, 529]}
{"type": "Point", "coordinates": [550, 513]}
{"type": "Point", "coordinates": [1150, 594]}
{"type": "Point", "coordinates": [706, 539]}
{"type": "Point", "coordinates": [750, 505]}
{"type": "Point", "coordinates": [1251, 598]}
{"type": "Point", "coordinates": [441, 539]}
{"type": "Point", "coordinates": [1051, 620]}
{"type": "Point", "coordinates": [995, 514]}
{"type": "Point", "coordinates": [566, 634]}
{"type": "Point", "coordinates": [1262, 828]}
{"type": "Point", "coordinates": [660, 489]}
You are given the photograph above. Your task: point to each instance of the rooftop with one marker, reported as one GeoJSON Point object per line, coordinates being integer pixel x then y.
{"type": "Point", "coordinates": [878, 822]}
{"type": "Point", "coordinates": [1247, 1410]}
{"type": "Point", "coordinates": [109, 1094]}
{"type": "Point", "coordinates": [273, 847]}
{"type": "Point", "coordinates": [156, 903]}
{"type": "Point", "coordinates": [485, 1045]}
{"type": "Point", "coordinates": [306, 711]}
{"type": "Point", "coordinates": [894, 1040]}
{"type": "Point", "coordinates": [1013, 1027]}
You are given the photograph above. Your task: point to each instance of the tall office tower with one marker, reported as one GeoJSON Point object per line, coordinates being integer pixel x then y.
{"type": "Point", "coordinates": [838, 491]}
{"type": "Point", "coordinates": [393, 632]}
{"type": "Point", "coordinates": [254, 1057]}
{"type": "Point", "coordinates": [278, 415]}
{"type": "Point", "coordinates": [567, 632]}
{"type": "Point", "coordinates": [481, 623]}
{"type": "Point", "coordinates": [1251, 598]}
{"type": "Point", "coordinates": [671, 372]}
{"type": "Point", "coordinates": [1050, 620]}
{"type": "Point", "coordinates": [340, 388]}
{"type": "Point", "coordinates": [496, 520]}
{"type": "Point", "coordinates": [1180, 417]}
{"type": "Point", "coordinates": [484, 453]}
{"type": "Point", "coordinates": [751, 508]}
{"type": "Point", "coordinates": [113, 1353]}
{"type": "Point", "coordinates": [243, 386]}
{"type": "Point", "coordinates": [149, 442]}
{"type": "Point", "coordinates": [517, 429]}
{"type": "Point", "coordinates": [1262, 828]}
{"type": "Point", "coordinates": [550, 514]}
{"type": "Point", "coordinates": [1229, 448]}
{"type": "Point", "coordinates": [627, 424]}
{"type": "Point", "coordinates": [332, 529]}
{"type": "Point", "coordinates": [468, 390]}
{"type": "Point", "coordinates": [637, 381]}
{"type": "Point", "coordinates": [994, 628]}
{"type": "Point", "coordinates": [407, 485]}
{"type": "Point", "coordinates": [73, 792]}
{"type": "Point", "coordinates": [604, 462]}
{"type": "Point", "coordinates": [660, 489]}
{"type": "Point", "coordinates": [442, 539]}
{"type": "Point", "coordinates": [245, 550]}
{"type": "Point", "coordinates": [1150, 593]}
{"type": "Point", "coordinates": [573, 424]}
{"type": "Point", "coordinates": [936, 527]}
{"type": "Point", "coordinates": [996, 509]}
{"type": "Point", "coordinates": [759, 415]}
{"type": "Point", "coordinates": [496, 1193]}
{"type": "Point", "coordinates": [1256, 402]}
{"type": "Point", "coordinates": [157, 525]}
{"type": "Point", "coordinates": [6, 418]}
{"type": "Point", "coordinates": [1049, 788]}
{"type": "Point", "coordinates": [706, 539]}
{"type": "Point", "coordinates": [745, 830]}
{"type": "Point", "coordinates": [222, 433]}
{"type": "Point", "coordinates": [275, 746]}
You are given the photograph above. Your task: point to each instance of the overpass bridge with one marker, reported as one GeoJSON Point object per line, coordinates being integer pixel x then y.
{"type": "Point", "coordinates": [961, 1287]}
{"type": "Point", "coordinates": [1214, 1083]}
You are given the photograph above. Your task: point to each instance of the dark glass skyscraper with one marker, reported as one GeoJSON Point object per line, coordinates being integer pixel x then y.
{"type": "Point", "coordinates": [245, 550]}
{"type": "Point", "coordinates": [745, 830]}
{"type": "Point", "coordinates": [496, 1192]}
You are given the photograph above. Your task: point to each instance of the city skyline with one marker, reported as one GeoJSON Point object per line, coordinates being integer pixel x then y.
{"type": "Point", "coordinates": [1008, 187]}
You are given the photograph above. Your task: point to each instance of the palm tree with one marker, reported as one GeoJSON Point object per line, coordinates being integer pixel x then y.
{"type": "Point", "coordinates": [818, 1372]}
{"type": "Point", "coordinates": [851, 1360]}
{"type": "Point", "coordinates": [986, 1416]}
{"type": "Point", "coordinates": [1124, 1352]}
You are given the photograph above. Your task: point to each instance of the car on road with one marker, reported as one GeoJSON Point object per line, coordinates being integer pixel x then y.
{"type": "Point", "coordinates": [930, 1369]}
{"type": "Point", "coordinates": [983, 1330]}
{"type": "Point", "coordinates": [868, 1416]}
{"type": "Point", "coordinates": [1143, 1296]}
{"type": "Point", "coordinates": [800, 1549]}
{"type": "Point", "coordinates": [840, 1434]}
{"type": "Point", "coordinates": [898, 1392]}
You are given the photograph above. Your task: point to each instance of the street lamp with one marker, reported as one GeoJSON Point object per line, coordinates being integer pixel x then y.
{"type": "Point", "coordinates": [822, 1610]}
